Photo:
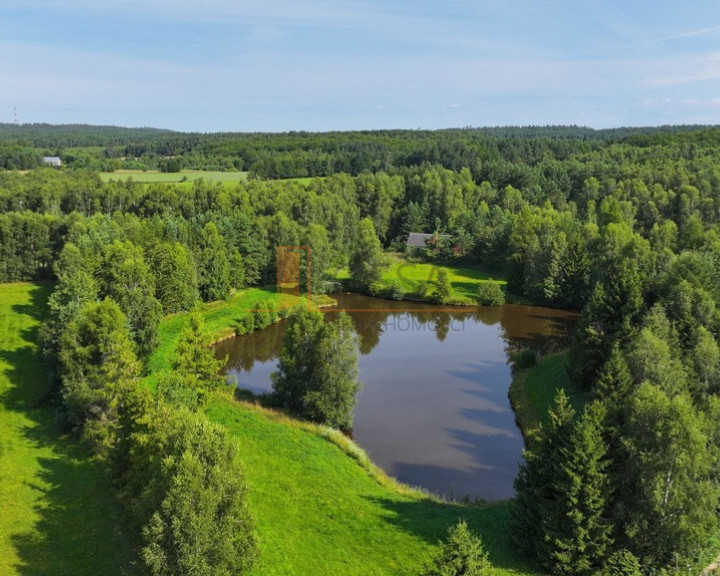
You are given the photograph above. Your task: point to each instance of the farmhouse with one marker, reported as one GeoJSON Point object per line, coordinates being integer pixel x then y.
{"type": "Point", "coordinates": [52, 161]}
{"type": "Point", "coordinates": [417, 242]}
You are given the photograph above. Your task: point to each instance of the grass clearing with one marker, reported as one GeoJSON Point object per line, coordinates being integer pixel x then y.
{"type": "Point", "coordinates": [533, 390]}
{"type": "Point", "coordinates": [58, 513]}
{"type": "Point", "coordinates": [173, 177]}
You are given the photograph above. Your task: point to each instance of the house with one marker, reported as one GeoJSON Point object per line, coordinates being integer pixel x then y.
{"type": "Point", "coordinates": [52, 161]}
{"type": "Point", "coordinates": [418, 242]}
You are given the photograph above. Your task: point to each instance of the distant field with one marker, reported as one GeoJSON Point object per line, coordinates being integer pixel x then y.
{"type": "Point", "coordinates": [58, 513]}
{"type": "Point", "coordinates": [173, 177]}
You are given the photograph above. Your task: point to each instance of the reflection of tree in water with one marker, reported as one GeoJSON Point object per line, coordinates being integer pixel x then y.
{"type": "Point", "coordinates": [259, 346]}
{"type": "Point", "coordinates": [542, 329]}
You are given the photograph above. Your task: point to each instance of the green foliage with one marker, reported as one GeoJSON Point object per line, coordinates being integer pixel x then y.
{"type": "Point", "coordinates": [611, 314]}
{"type": "Point", "coordinates": [175, 276]}
{"type": "Point", "coordinates": [187, 490]}
{"type": "Point", "coordinates": [671, 503]}
{"type": "Point", "coordinates": [126, 278]}
{"type": "Point", "coordinates": [621, 563]}
{"type": "Point", "coordinates": [443, 287]}
{"type": "Point", "coordinates": [213, 266]}
{"type": "Point", "coordinates": [245, 323]}
{"type": "Point", "coordinates": [98, 368]}
{"type": "Point", "coordinates": [196, 371]}
{"type": "Point", "coordinates": [367, 259]}
{"type": "Point", "coordinates": [526, 358]}
{"type": "Point", "coordinates": [461, 554]}
{"type": "Point", "coordinates": [317, 374]}
{"type": "Point", "coordinates": [74, 289]}
{"type": "Point", "coordinates": [490, 294]}
{"type": "Point", "coordinates": [576, 528]}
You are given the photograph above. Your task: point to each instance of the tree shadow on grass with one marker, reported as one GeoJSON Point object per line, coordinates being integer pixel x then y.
{"type": "Point", "coordinates": [430, 520]}
{"type": "Point", "coordinates": [78, 529]}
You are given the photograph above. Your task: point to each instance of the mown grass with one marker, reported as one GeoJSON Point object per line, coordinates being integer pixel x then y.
{"type": "Point", "coordinates": [58, 514]}
{"type": "Point", "coordinates": [321, 506]}
{"type": "Point", "coordinates": [174, 177]}
{"type": "Point", "coordinates": [533, 390]}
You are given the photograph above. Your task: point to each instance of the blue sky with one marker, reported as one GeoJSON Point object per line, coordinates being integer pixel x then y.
{"type": "Point", "coordinates": [277, 65]}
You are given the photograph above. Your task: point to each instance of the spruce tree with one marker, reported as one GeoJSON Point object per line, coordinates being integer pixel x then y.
{"type": "Point", "coordinates": [575, 525]}
{"type": "Point", "coordinates": [461, 554]}
{"type": "Point", "coordinates": [535, 487]}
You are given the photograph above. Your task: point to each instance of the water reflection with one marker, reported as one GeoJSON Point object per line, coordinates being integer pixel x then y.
{"type": "Point", "coordinates": [434, 410]}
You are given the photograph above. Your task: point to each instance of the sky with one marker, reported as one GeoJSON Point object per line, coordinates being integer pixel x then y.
{"type": "Point", "coordinates": [281, 65]}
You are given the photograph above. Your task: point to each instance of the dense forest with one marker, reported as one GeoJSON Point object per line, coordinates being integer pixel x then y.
{"type": "Point", "coordinates": [621, 225]}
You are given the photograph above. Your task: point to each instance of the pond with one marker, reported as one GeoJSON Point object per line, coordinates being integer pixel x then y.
{"type": "Point", "coordinates": [434, 409]}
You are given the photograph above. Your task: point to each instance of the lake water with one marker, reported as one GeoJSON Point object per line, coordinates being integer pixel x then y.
{"type": "Point", "coordinates": [434, 409]}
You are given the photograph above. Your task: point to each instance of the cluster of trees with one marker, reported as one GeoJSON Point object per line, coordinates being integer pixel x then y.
{"type": "Point", "coordinates": [179, 476]}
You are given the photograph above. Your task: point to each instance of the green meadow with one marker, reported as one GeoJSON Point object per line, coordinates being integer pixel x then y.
{"type": "Point", "coordinates": [58, 513]}
{"type": "Point", "coordinates": [174, 177]}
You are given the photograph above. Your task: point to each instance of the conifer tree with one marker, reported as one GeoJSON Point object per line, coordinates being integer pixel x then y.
{"type": "Point", "coordinates": [575, 525]}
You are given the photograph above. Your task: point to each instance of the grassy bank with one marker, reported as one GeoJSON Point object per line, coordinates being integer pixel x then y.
{"type": "Point", "coordinates": [321, 506]}
{"type": "Point", "coordinates": [57, 508]}
{"type": "Point", "coordinates": [324, 509]}
{"type": "Point", "coordinates": [532, 391]}
{"type": "Point", "coordinates": [411, 275]}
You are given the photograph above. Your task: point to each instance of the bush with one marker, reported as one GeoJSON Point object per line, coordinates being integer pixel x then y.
{"type": "Point", "coordinates": [245, 324]}
{"type": "Point", "coordinates": [490, 294]}
{"type": "Point", "coordinates": [526, 358]}
{"type": "Point", "coordinates": [262, 319]}
{"type": "Point", "coordinates": [376, 289]}
{"type": "Point", "coordinates": [395, 290]}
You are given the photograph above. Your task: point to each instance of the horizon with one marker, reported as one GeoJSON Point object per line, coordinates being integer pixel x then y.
{"type": "Point", "coordinates": [321, 66]}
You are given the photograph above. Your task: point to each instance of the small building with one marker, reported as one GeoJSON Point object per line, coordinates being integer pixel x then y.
{"type": "Point", "coordinates": [418, 242]}
{"type": "Point", "coordinates": [52, 161]}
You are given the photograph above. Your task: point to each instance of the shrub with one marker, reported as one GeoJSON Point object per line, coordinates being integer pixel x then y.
{"type": "Point", "coordinates": [395, 290]}
{"type": "Point", "coordinates": [262, 318]}
{"type": "Point", "coordinates": [245, 324]}
{"type": "Point", "coordinates": [526, 358]}
{"type": "Point", "coordinates": [490, 294]}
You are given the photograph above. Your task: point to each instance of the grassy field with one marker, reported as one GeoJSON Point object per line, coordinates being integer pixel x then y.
{"type": "Point", "coordinates": [174, 177]}
{"type": "Point", "coordinates": [533, 390]}
{"type": "Point", "coordinates": [322, 508]}
{"type": "Point", "coordinates": [57, 510]}
{"type": "Point", "coordinates": [319, 511]}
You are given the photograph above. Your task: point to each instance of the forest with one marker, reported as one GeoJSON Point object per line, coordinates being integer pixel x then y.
{"type": "Point", "coordinates": [620, 225]}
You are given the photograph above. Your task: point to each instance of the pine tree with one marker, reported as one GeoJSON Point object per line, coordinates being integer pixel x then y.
{"type": "Point", "coordinates": [461, 554]}
{"type": "Point", "coordinates": [535, 483]}
{"type": "Point", "coordinates": [444, 287]}
{"type": "Point", "coordinates": [98, 368]}
{"type": "Point", "coordinates": [575, 525]}
{"type": "Point", "coordinates": [611, 314]}
{"type": "Point", "coordinates": [317, 374]}
{"type": "Point", "coordinates": [126, 278]}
